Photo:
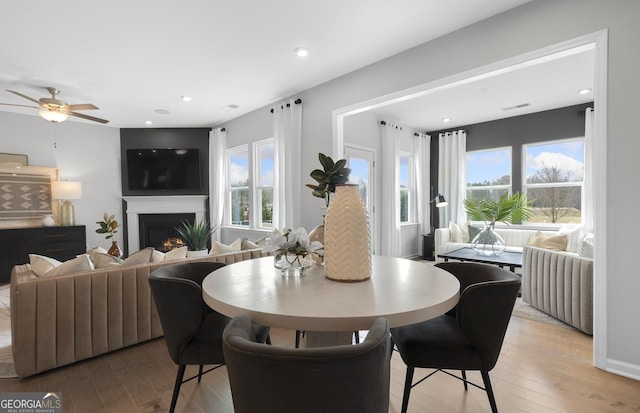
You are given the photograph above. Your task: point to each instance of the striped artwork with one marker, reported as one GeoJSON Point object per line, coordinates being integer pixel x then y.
{"type": "Point", "coordinates": [24, 196]}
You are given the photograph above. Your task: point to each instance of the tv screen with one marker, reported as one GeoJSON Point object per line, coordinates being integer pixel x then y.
{"type": "Point", "coordinates": [160, 169]}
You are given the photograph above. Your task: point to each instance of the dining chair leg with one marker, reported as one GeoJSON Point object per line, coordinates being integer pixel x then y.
{"type": "Point", "coordinates": [464, 377]}
{"type": "Point", "coordinates": [407, 389]}
{"type": "Point", "coordinates": [489, 389]}
{"type": "Point", "coordinates": [176, 387]}
{"type": "Point", "coordinates": [356, 336]}
{"type": "Point", "coordinates": [297, 338]}
{"type": "Point", "coordinates": [200, 373]}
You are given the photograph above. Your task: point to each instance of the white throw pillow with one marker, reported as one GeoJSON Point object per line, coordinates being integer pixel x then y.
{"type": "Point", "coordinates": [575, 235]}
{"type": "Point", "coordinates": [105, 261]}
{"type": "Point", "coordinates": [173, 255]}
{"type": "Point", "coordinates": [40, 264]}
{"type": "Point", "coordinates": [586, 250]}
{"type": "Point", "coordinates": [81, 263]}
{"type": "Point", "coordinates": [458, 233]}
{"type": "Point", "coordinates": [220, 248]}
{"type": "Point", "coordinates": [95, 250]}
{"type": "Point", "coordinates": [249, 245]}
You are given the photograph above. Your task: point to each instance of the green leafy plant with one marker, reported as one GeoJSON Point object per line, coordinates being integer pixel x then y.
{"type": "Point", "coordinates": [196, 235]}
{"type": "Point", "coordinates": [108, 226]}
{"type": "Point", "coordinates": [512, 209]}
{"type": "Point", "coordinates": [331, 174]}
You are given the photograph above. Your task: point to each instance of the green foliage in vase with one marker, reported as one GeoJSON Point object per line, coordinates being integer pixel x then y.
{"type": "Point", "coordinates": [108, 226]}
{"type": "Point", "coordinates": [331, 174]}
{"type": "Point", "coordinates": [196, 236]}
{"type": "Point", "coordinates": [512, 209]}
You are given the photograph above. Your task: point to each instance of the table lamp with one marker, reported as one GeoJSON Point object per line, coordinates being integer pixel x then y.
{"type": "Point", "coordinates": [66, 190]}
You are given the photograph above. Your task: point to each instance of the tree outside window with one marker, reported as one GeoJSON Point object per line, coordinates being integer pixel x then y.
{"type": "Point", "coordinates": [238, 178]}
{"type": "Point", "coordinates": [264, 178]}
{"type": "Point", "coordinates": [406, 187]}
{"type": "Point", "coordinates": [554, 179]}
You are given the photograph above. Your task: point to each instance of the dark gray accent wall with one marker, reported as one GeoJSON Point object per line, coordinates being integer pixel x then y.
{"type": "Point", "coordinates": [157, 138]}
{"type": "Point", "coordinates": [562, 123]}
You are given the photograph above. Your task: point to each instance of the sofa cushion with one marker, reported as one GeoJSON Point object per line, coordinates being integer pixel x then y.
{"type": "Point", "coordinates": [575, 235]}
{"type": "Point", "coordinates": [173, 255]}
{"type": "Point", "coordinates": [550, 242]}
{"type": "Point", "coordinates": [81, 263]}
{"type": "Point", "coordinates": [40, 264]}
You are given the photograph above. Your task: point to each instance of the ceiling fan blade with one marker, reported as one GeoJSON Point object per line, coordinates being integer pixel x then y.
{"type": "Point", "coordinates": [82, 106]}
{"type": "Point", "coordinates": [23, 96]}
{"type": "Point", "coordinates": [83, 116]}
{"type": "Point", "coordinates": [22, 106]}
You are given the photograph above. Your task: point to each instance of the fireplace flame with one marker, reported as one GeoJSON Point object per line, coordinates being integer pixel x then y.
{"type": "Point", "coordinates": [171, 243]}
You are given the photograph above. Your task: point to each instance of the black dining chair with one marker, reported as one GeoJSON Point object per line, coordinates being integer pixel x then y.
{"type": "Point", "coordinates": [470, 336]}
{"type": "Point", "coordinates": [346, 378]}
{"type": "Point", "coordinates": [192, 330]}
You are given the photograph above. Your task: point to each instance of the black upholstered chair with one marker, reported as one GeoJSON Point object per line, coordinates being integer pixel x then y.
{"type": "Point", "coordinates": [192, 330]}
{"type": "Point", "coordinates": [470, 336]}
{"type": "Point", "coordinates": [347, 378]}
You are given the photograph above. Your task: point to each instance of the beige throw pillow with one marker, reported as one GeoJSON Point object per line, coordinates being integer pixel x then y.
{"type": "Point", "coordinates": [81, 263]}
{"type": "Point", "coordinates": [248, 245]}
{"type": "Point", "coordinates": [139, 257]}
{"type": "Point", "coordinates": [220, 248]}
{"type": "Point", "coordinates": [105, 261]}
{"type": "Point", "coordinates": [95, 250]}
{"type": "Point", "coordinates": [550, 242]}
{"type": "Point", "coordinates": [173, 255]}
{"type": "Point", "coordinates": [40, 264]}
{"type": "Point", "coordinates": [459, 233]}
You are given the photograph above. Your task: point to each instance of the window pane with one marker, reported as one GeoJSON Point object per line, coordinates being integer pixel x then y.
{"type": "Point", "coordinates": [266, 213]}
{"type": "Point", "coordinates": [489, 167]}
{"type": "Point", "coordinates": [240, 207]}
{"type": "Point", "coordinates": [555, 162]}
{"type": "Point", "coordinates": [360, 176]}
{"type": "Point", "coordinates": [489, 194]}
{"type": "Point", "coordinates": [404, 206]}
{"type": "Point", "coordinates": [265, 154]}
{"type": "Point", "coordinates": [556, 204]}
{"type": "Point", "coordinates": [239, 168]}
{"type": "Point", "coordinates": [404, 172]}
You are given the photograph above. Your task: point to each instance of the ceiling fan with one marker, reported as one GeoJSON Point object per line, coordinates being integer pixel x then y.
{"type": "Point", "coordinates": [55, 110]}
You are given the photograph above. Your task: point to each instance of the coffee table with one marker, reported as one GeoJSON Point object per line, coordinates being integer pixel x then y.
{"type": "Point", "coordinates": [509, 259]}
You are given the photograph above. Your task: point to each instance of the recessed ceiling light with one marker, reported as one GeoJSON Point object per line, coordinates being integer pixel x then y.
{"type": "Point", "coordinates": [162, 111]}
{"type": "Point", "coordinates": [302, 51]}
{"type": "Point", "coordinates": [148, 122]}
{"type": "Point", "coordinates": [446, 120]}
{"type": "Point", "coordinates": [584, 91]}
{"type": "Point", "coordinates": [186, 98]}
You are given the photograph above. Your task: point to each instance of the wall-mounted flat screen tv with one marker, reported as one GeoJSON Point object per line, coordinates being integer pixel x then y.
{"type": "Point", "coordinates": [163, 169]}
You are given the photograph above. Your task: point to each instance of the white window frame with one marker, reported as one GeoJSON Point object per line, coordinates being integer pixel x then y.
{"type": "Point", "coordinates": [508, 187]}
{"type": "Point", "coordinates": [526, 186]}
{"type": "Point", "coordinates": [410, 190]}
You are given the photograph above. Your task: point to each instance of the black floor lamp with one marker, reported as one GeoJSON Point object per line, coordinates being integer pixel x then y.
{"type": "Point", "coordinates": [427, 240]}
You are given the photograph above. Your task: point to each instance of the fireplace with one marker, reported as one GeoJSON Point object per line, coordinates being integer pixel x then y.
{"type": "Point", "coordinates": [159, 230]}
{"type": "Point", "coordinates": [195, 206]}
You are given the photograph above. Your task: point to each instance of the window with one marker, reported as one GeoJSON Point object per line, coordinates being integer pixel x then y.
{"type": "Point", "coordinates": [406, 187]}
{"type": "Point", "coordinates": [554, 174]}
{"type": "Point", "coordinates": [251, 184]}
{"type": "Point", "coordinates": [264, 151]}
{"type": "Point", "coordinates": [238, 176]}
{"type": "Point", "coordinates": [489, 173]}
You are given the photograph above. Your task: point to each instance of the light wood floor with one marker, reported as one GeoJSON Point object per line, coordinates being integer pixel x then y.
{"type": "Point", "coordinates": [542, 368]}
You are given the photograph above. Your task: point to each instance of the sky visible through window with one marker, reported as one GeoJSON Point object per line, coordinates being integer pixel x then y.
{"type": "Point", "coordinates": [567, 156]}
{"type": "Point", "coordinates": [359, 170]}
{"type": "Point", "coordinates": [488, 165]}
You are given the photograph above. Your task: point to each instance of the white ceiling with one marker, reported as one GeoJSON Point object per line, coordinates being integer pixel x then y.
{"type": "Point", "coordinates": [542, 84]}
{"type": "Point", "coordinates": [131, 58]}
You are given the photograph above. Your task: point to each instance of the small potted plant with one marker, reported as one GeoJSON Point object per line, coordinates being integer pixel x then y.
{"type": "Point", "coordinates": [331, 174]}
{"type": "Point", "coordinates": [110, 226]}
{"type": "Point", "coordinates": [196, 236]}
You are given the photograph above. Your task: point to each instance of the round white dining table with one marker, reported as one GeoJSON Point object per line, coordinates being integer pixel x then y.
{"type": "Point", "coordinates": [401, 290]}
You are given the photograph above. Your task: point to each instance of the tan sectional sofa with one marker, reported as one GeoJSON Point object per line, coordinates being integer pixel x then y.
{"type": "Point", "coordinates": [62, 319]}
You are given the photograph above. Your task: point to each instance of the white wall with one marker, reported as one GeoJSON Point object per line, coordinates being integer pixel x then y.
{"type": "Point", "coordinates": [86, 153]}
{"type": "Point", "coordinates": [533, 26]}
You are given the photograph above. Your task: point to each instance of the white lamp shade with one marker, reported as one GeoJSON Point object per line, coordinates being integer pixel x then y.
{"type": "Point", "coordinates": [66, 190]}
{"type": "Point", "coordinates": [53, 116]}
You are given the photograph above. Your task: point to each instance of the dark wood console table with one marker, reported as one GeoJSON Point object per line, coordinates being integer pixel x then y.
{"type": "Point", "coordinates": [61, 243]}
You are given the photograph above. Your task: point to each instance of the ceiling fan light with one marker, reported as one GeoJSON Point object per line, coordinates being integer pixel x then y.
{"type": "Point", "coordinates": [53, 116]}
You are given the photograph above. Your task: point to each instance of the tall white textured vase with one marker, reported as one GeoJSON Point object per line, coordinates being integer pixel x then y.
{"type": "Point", "coordinates": [347, 241]}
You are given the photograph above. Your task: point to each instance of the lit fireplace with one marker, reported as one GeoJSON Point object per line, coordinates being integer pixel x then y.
{"type": "Point", "coordinates": [159, 230]}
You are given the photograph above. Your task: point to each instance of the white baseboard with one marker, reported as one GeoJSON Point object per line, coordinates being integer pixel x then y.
{"type": "Point", "coordinates": [623, 368]}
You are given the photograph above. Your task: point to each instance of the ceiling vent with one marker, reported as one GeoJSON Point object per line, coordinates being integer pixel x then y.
{"type": "Point", "coordinates": [522, 105]}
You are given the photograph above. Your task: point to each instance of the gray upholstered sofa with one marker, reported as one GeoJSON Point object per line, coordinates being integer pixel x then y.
{"type": "Point", "coordinates": [59, 320]}
{"type": "Point", "coordinates": [560, 284]}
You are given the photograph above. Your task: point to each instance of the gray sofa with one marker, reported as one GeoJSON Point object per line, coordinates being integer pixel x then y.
{"type": "Point", "coordinates": [560, 284]}
{"type": "Point", "coordinates": [58, 320]}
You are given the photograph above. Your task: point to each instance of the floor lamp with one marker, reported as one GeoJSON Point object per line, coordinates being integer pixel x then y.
{"type": "Point", "coordinates": [65, 190]}
{"type": "Point", "coordinates": [427, 240]}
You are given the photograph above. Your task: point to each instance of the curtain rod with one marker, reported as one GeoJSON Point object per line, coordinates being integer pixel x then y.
{"type": "Point", "coordinates": [297, 102]}
{"type": "Point", "coordinates": [396, 126]}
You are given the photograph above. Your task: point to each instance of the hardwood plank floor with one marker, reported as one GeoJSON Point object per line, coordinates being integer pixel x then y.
{"type": "Point", "coordinates": [542, 368]}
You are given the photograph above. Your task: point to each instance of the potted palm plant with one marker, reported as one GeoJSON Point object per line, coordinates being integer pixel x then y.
{"type": "Point", "coordinates": [196, 236]}
{"type": "Point", "coordinates": [509, 209]}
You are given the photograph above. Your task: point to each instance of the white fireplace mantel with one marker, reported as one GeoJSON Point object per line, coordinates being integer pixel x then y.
{"type": "Point", "coordinates": [174, 204]}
